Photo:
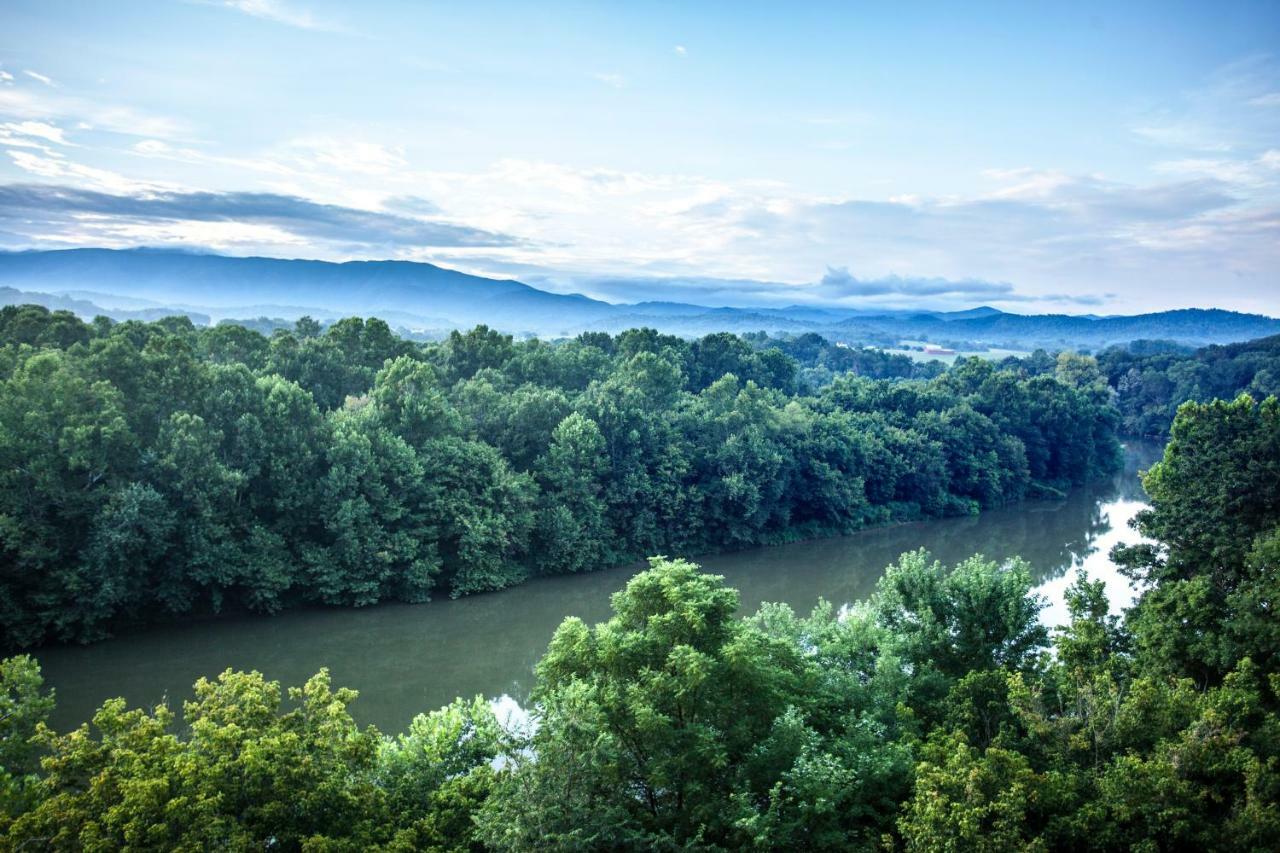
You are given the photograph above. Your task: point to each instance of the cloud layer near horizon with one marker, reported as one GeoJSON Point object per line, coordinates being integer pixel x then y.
{"type": "Point", "coordinates": [1192, 219]}
{"type": "Point", "coordinates": [837, 287]}
{"type": "Point", "coordinates": [64, 214]}
{"type": "Point", "coordinates": [1035, 228]}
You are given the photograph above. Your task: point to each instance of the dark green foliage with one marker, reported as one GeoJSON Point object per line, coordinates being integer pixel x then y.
{"type": "Point", "coordinates": [938, 715]}
{"type": "Point", "coordinates": [24, 708]}
{"type": "Point", "coordinates": [151, 470]}
{"type": "Point", "coordinates": [1215, 516]}
{"type": "Point", "coordinates": [646, 719]}
{"type": "Point", "coordinates": [1159, 733]}
{"type": "Point", "coordinates": [675, 724]}
{"type": "Point", "coordinates": [1151, 380]}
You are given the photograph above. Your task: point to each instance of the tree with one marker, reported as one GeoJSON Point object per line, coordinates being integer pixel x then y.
{"type": "Point", "coordinates": [968, 799]}
{"type": "Point", "coordinates": [571, 533]}
{"type": "Point", "coordinates": [345, 465]}
{"type": "Point", "coordinates": [248, 774]}
{"type": "Point", "coordinates": [645, 720]}
{"type": "Point", "coordinates": [464, 355]}
{"type": "Point", "coordinates": [1215, 501]}
{"type": "Point", "coordinates": [63, 438]}
{"type": "Point", "coordinates": [379, 540]}
{"type": "Point", "coordinates": [24, 708]}
{"type": "Point", "coordinates": [439, 774]}
{"type": "Point", "coordinates": [980, 615]}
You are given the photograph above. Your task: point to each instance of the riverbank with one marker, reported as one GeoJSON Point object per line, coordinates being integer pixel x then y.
{"type": "Point", "coordinates": [405, 659]}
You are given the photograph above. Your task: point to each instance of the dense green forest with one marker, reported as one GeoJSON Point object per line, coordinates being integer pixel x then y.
{"type": "Point", "coordinates": [152, 470]}
{"type": "Point", "coordinates": [937, 715]}
{"type": "Point", "coordinates": [1152, 379]}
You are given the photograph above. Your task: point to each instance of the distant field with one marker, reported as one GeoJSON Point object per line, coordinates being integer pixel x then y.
{"type": "Point", "coordinates": [920, 355]}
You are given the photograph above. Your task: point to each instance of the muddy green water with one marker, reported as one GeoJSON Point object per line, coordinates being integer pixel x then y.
{"type": "Point", "coordinates": [406, 659]}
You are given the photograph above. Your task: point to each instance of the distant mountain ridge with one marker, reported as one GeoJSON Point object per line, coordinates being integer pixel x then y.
{"type": "Point", "coordinates": [422, 296]}
{"type": "Point", "coordinates": [354, 287]}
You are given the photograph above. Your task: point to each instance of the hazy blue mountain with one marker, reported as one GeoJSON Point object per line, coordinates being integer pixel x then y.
{"type": "Point", "coordinates": [85, 308]}
{"type": "Point", "coordinates": [1188, 325]}
{"type": "Point", "coordinates": [419, 296]}
{"type": "Point", "coordinates": [980, 311]}
{"type": "Point", "coordinates": [228, 286]}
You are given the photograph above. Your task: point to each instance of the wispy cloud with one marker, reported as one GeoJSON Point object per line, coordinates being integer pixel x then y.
{"type": "Point", "coordinates": [348, 155]}
{"type": "Point", "coordinates": [837, 287]}
{"type": "Point", "coordinates": [6, 77]}
{"type": "Point", "coordinates": [617, 81]}
{"type": "Point", "coordinates": [51, 165]}
{"type": "Point", "coordinates": [1248, 173]}
{"type": "Point", "coordinates": [1041, 230]}
{"type": "Point", "coordinates": [681, 50]}
{"type": "Point", "coordinates": [42, 78]}
{"type": "Point", "coordinates": [1222, 113]}
{"type": "Point", "coordinates": [1203, 218]}
{"type": "Point", "coordinates": [12, 132]}
{"type": "Point", "coordinates": [1029, 236]}
{"type": "Point", "coordinates": [280, 13]}
{"type": "Point", "coordinates": [157, 149]}
{"type": "Point", "coordinates": [1183, 135]}
{"type": "Point", "coordinates": [25, 103]}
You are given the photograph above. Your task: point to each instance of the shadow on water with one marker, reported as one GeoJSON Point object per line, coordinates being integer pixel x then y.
{"type": "Point", "coordinates": [406, 659]}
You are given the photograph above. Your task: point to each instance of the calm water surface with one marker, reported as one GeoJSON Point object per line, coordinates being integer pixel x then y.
{"type": "Point", "coordinates": [406, 659]}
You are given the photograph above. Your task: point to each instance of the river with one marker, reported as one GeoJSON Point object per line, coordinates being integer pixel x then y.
{"type": "Point", "coordinates": [405, 659]}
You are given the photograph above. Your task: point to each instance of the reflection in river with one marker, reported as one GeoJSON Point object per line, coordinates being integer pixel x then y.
{"type": "Point", "coordinates": [405, 659]}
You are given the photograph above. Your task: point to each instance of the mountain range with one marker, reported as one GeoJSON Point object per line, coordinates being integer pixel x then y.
{"type": "Point", "coordinates": [421, 297]}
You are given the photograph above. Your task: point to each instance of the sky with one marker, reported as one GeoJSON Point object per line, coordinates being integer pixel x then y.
{"type": "Point", "coordinates": [1073, 157]}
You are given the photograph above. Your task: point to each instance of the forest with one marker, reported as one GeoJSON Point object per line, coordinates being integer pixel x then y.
{"type": "Point", "coordinates": [157, 470]}
{"type": "Point", "coordinates": [1152, 378]}
{"type": "Point", "coordinates": [939, 714]}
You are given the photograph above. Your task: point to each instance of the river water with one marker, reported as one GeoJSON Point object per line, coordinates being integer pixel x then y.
{"type": "Point", "coordinates": [406, 659]}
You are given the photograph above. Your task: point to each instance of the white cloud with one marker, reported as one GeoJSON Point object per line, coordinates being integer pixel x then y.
{"type": "Point", "coordinates": [159, 150]}
{"type": "Point", "coordinates": [357, 156]}
{"type": "Point", "coordinates": [33, 129]}
{"type": "Point", "coordinates": [36, 75]}
{"type": "Point", "coordinates": [1220, 114]}
{"type": "Point", "coordinates": [680, 50]}
{"type": "Point", "coordinates": [1026, 183]}
{"type": "Point", "coordinates": [1209, 217]}
{"type": "Point", "coordinates": [1246, 172]}
{"type": "Point", "coordinates": [617, 81]}
{"type": "Point", "coordinates": [26, 104]}
{"type": "Point", "coordinates": [51, 165]}
{"type": "Point", "coordinates": [280, 13]}
{"type": "Point", "coordinates": [6, 77]}
{"type": "Point", "coordinates": [220, 236]}
{"type": "Point", "coordinates": [1046, 231]}
{"type": "Point", "coordinates": [1182, 135]}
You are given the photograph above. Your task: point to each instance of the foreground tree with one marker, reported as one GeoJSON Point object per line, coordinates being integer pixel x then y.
{"type": "Point", "coordinates": [248, 771]}
{"type": "Point", "coordinates": [24, 708]}
{"type": "Point", "coordinates": [645, 720]}
{"type": "Point", "coordinates": [1210, 576]}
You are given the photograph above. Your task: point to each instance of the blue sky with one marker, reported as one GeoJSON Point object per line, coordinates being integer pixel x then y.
{"type": "Point", "coordinates": [1074, 157]}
